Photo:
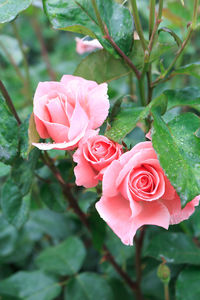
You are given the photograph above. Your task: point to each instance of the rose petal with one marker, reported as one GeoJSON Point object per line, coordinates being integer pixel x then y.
{"type": "Point", "coordinates": [98, 105]}
{"type": "Point", "coordinates": [176, 212]}
{"type": "Point", "coordinates": [110, 178]}
{"type": "Point", "coordinates": [78, 122]}
{"type": "Point", "coordinates": [44, 88]}
{"type": "Point", "coordinates": [57, 112]}
{"type": "Point", "coordinates": [85, 175]}
{"type": "Point", "coordinates": [117, 214]}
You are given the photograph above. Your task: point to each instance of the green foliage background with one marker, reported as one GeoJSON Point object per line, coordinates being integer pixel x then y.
{"type": "Point", "coordinates": [45, 252]}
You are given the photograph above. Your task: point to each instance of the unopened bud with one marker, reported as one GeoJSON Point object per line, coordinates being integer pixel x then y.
{"type": "Point", "coordinates": [163, 273]}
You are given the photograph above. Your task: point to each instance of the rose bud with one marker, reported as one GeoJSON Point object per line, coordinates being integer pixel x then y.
{"type": "Point", "coordinates": [136, 192]}
{"type": "Point", "coordinates": [93, 156]}
{"type": "Point", "coordinates": [83, 46]}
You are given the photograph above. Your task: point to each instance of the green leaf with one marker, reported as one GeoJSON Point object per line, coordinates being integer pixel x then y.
{"type": "Point", "coordinates": [101, 66]}
{"type": "Point", "coordinates": [189, 96]}
{"type": "Point", "coordinates": [172, 33]}
{"type": "Point", "coordinates": [64, 259]}
{"type": "Point", "coordinates": [187, 284]}
{"type": "Point", "coordinates": [15, 200]}
{"type": "Point", "coordinates": [9, 9]}
{"type": "Point", "coordinates": [88, 286]}
{"type": "Point", "coordinates": [4, 170]}
{"type": "Point", "coordinates": [178, 150]}
{"type": "Point", "coordinates": [8, 134]}
{"type": "Point", "coordinates": [175, 248]}
{"type": "Point", "coordinates": [192, 69]}
{"type": "Point", "coordinates": [15, 207]}
{"type": "Point", "coordinates": [98, 230]}
{"type": "Point", "coordinates": [124, 122]}
{"type": "Point", "coordinates": [8, 238]}
{"type": "Point", "coordinates": [79, 16]}
{"type": "Point", "coordinates": [7, 44]}
{"type": "Point", "coordinates": [33, 285]}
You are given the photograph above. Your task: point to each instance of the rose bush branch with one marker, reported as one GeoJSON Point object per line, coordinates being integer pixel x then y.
{"type": "Point", "coordinates": [9, 102]}
{"type": "Point", "coordinates": [83, 217]}
{"type": "Point", "coordinates": [191, 29]}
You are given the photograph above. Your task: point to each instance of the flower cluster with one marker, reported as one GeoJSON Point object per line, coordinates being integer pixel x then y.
{"type": "Point", "coordinates": [135, 190]}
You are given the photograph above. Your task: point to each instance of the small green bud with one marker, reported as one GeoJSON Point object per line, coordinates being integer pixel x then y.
{"type": "Point", "coordinates": [163, 273]}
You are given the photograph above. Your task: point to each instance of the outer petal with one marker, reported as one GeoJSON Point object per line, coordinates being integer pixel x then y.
{"type": "Point", "coordinates": [41, 129]}
{"type": "Point", "coordinates": [98, 105]}
{"type": "Point", "coordinates": [109, 179]}
{"type": "Point", "coordinates": [85, 175]}
{"type": "Point", "coordinates": [117, 214]}
{"type": "Point", "coordinates": [44, 88]}
{"type": "Point", "coordinates": [177, 214]}
{"type": "Point", "coordinates": [60, 146]}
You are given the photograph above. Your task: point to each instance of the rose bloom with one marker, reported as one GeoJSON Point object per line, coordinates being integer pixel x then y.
{"type": "Point", "coordinates": [137, 192]}
{"type": "Point", "coordinates": [94, 154]}
{"type": "Point", "coordinates": [83, 46]}
{"type": "Point", "coordinates": [65, 110]}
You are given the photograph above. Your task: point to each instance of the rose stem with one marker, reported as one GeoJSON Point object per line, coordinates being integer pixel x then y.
{"type": "Point", "coordinates": [138, 247]}
{"type": "Point", "coordinates": [182, 48]}
{"type": "Point", "coordinates": [44, 51]}
{"type": "Point", "coordinates": [166, 290]}
{"type": "Point", "coordinates": [138, 24]}
{"type": "Point", "coordinates": [26, 66]}
{"type": "Point", "coordinates": [9, 102]}
{"type": "Point", "coordinates": [74, 205]}
{"type": "Point", "coordinates": [122, 54]}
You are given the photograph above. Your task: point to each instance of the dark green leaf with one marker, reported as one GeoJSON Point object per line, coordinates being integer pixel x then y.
{"type": "Point", "coordinates": [79, 16]}
{"type": "Point", "coordinates": [124, 122]}
{"type": "Point", "coordinates": [64, 259]}
{"type": "Point", "coordinates": [192, 69]}
{"type": "Point", "coordinates": [33, 285]}
{"type": "Point", "coordinates": [4, 169]}
{"type": "Point", "coordinates": [98, 228]}
{"type": "Point", "coordinates": [178, 150]}
{"type": "Point", "coordinates": [9, 9]}
{"type": "Point", "coordinates": [88, 286]}
{"type": "Point", "coordinates": [8, 134]}
{"type": "Point", "coordinates": [187, 284]}
{"type": "Point", "coordinates": [175, 248]}
{"type": "Point", "coordinates": [8, 238]}
{"type": "Point", "coordinates": [189, 96]}
{"type": "Point", "coordinates": [52, 196]}
{"type": "Point", "coordinates": [101, 66]}
{"type": "Point", "coordinates": [14, 205]}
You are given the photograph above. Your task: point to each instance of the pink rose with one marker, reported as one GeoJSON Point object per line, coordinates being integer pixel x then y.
{"type": "Point", "coordinates": [94, 154]}
{"type": "Point", "coordinates": [65, 110]}
{"type": "Point", "coordinates": [137, 192]}
{"type": "Point", "coordinates": [83, 46]}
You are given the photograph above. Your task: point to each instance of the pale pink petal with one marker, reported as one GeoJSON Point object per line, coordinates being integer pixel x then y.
{"type": "Point", "coordinates": [117, 214]}
{"type": "Point", "coordinates": [60, 146]}
{"type": "Point", "coordinates": [44, 88]}
{"type": "Point", "coordinates": [41, 129]}
{"type": "Point", "coordinates": [83, 46]}
{"type": "Point", "coordinates": [109, 179]}
{"type": "Point", "coordinates": [98, 105]}
{"type": "Point", "coordinates": [176, 212]}
{"type": "Point", "coordinates": [78, 122]}
{"type": "Point", "coordinates": [58, 132]}
{"type": "Point", "coordinates": [57, 112]}
{"type": "Point", "coordinates": [66, 80]}
{"type": "Point", "coordinates": [85, 175]}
